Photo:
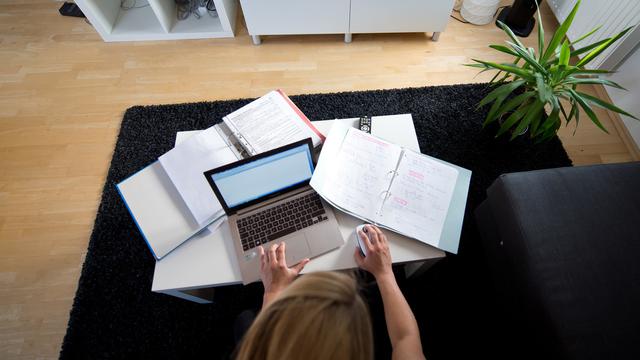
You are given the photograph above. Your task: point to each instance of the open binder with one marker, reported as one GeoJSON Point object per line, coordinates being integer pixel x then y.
{"type": "Point", "coordinates": [171, 201]}
{"type": "Point", "coordinates": [382, 183]}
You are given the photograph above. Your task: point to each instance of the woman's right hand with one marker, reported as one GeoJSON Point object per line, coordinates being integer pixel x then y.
{"type": "Point", "coordinates": [378, 259]}
{"type": "Point", "coordinates": [401, 324]}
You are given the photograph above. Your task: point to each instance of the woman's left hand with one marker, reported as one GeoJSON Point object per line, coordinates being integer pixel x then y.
{"type": "Point", "coordinates": [274, 272]}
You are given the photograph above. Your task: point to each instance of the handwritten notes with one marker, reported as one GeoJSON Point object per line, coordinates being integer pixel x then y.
{"type": "Point", "coordinates": [419, 197]}
{"type": "Point", "coordinates": [361, 173]}
{"type": "Point", "coordinates": [380, 182]}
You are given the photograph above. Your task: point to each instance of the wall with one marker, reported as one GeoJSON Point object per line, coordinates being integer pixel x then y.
{"type": "Point", "coordinates": [622, 57]}
{"type": "Point", "coordinates": [628, 75]}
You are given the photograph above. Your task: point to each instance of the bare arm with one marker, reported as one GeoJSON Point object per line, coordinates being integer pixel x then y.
{"type": "Point", "coordinates": [401, 324]}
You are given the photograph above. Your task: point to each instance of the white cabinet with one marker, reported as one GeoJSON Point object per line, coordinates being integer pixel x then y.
{"type": "Point", "coordinates": [157, 21]}
{"type": "Point", "coordinates": [286, 17]}
{"type": "Point", "coordinates": [278, 17]}
{"type": "Point", "coordinates": [383, 16]}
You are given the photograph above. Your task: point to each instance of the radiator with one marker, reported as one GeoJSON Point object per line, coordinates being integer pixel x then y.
{"type": "Point", "coordinates": [614, 16]}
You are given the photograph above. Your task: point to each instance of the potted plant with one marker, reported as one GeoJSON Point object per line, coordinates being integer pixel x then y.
{"type": "Point", "coordinates": [537, 91]}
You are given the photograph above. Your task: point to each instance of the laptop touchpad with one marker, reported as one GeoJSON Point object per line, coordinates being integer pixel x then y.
{"type": "Point", "coordinates": [297, 249]}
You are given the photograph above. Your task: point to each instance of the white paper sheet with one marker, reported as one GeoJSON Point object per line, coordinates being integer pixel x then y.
{"type": "Point", "coordinates": [185, 165]}
{"type": "Point", "coordinates": [270, 122]}
{"type": "Point", "coordinates": [361, 173]}
{"type": "Point", "coordinates": [156, 207]}
{"type": "Point", "coordinates": [419, 197]}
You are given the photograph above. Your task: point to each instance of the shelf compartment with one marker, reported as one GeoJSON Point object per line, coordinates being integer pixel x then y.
{"type": "Point", "coordinates": [137, 22]}
{"type": "Point", "coordinates": [115, 23]}
{"type": "Point", "coordinates": [158, 21]}
{"type": "Point", "coordinates": [167, 10]}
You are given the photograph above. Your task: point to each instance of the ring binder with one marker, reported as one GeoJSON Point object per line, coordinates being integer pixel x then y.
{"type": "Point", "coordinates": [385, 194]}
{"type": "Point", "coordinates": [407, 192]}
{"type": "Point", "coordinates": [232, 142]}
{"type": "Point", "coordinates": [243, 141]}
{"type": "Point", "coordinates": [394, 173]}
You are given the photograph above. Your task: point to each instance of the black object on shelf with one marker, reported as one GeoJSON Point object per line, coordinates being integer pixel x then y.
{"type": "Point", "coordinates": [70, 9]}
{"type": "Point", "coordinates": [519, 16]}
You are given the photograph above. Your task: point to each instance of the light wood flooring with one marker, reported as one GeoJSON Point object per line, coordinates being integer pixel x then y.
{"type": "Point", "coordinates": [63, 93]}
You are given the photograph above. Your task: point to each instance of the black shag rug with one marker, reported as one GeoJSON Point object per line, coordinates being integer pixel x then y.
{"type": "Point", "coordinates": [115, 315]}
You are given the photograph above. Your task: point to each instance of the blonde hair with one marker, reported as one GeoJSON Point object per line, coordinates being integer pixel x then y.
{"type": "Point", "coordinates": [319, 316]}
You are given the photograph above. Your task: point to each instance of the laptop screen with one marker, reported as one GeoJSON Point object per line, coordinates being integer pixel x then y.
{"type": "Point", "coordinates": [263, 175]}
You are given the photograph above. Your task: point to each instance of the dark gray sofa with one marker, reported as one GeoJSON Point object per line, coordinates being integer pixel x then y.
{"type": "Point", "coordinates": [564, 249]}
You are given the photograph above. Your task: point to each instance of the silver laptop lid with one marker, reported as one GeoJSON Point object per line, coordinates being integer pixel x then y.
{"type": "Point", "coordinates": [263, 176]}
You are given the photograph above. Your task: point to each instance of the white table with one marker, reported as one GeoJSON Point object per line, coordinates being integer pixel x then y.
{"type": "Point", "coordinates": [208, 260]}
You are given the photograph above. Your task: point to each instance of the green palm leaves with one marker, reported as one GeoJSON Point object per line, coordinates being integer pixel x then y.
{"type": "Point", "coordinates": [536, 89]}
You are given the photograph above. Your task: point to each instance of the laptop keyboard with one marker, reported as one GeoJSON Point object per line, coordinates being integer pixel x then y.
{"type": "Point", "coordinates": [280, 220]}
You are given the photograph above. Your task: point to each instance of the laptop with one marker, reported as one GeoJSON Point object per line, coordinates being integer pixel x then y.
{"type": "Point", "coordinates": [268, 200]}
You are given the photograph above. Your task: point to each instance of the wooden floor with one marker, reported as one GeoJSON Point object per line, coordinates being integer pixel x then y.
{"type": "Point", "coordinates": [63, 93]}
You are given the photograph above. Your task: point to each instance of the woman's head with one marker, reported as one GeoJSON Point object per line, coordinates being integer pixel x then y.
{"type": "Point", "coordinates": [319, 316]}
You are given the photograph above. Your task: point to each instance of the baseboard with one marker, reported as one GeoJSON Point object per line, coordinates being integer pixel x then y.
{"type": "Point", "coordinates": [628, 141]}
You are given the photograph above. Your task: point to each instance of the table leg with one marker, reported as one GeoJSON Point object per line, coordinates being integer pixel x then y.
{"type": "Point", "coordinates": [418, 268]}
{"type": "Point", "coordinates": [435, 36]}
{"type": "Point", "coordinates": [200, 296]}
{"type": "Point", "coordinates": [256, 39]}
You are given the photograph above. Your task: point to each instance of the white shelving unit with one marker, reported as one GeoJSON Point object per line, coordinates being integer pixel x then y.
{"type": "Point", "coordinates": [158, 21]}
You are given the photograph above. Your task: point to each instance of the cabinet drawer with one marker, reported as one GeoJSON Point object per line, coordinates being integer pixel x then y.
{"type": "Point", "coordinates": [280, 17]}
{"type": "Point", "coordinates": [371, 16]}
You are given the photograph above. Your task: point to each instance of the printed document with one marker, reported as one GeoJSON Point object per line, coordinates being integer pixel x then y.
{"type": "Point", "coordinates": [270, 122]}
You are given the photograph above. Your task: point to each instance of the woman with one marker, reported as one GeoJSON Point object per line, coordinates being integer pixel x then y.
{"type": "Point", "coordinates": [322, 316]}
